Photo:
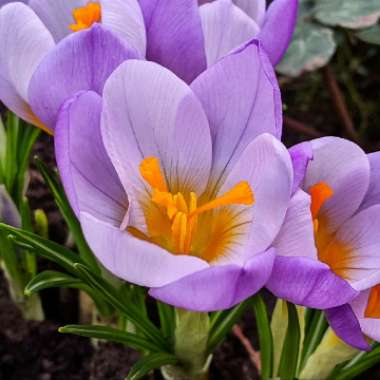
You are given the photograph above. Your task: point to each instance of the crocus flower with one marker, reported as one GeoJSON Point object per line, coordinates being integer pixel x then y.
{"type": "Point", "coordinates": [345, 215]}
{"type": "Point", "coordinates": [181, 189]}
{"type": "Point", "coordinates": [8, 210]}
{"type": "Point", "coordinates": [167, 32]}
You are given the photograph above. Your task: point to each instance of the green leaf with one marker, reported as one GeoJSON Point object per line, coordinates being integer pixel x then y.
{"type": "Point", "coordinates": [167, 319]}
{"type": "Point", "coordinates": [370, 35]}
{"type": "Point", "coordinates": [222, 323]}
{"type": "Point", "coordinates": [265, 336]}
{"type": "Point", "coordinates": [132, 313]}
{"type": "Point", "coordinates": [290, 350]}
{"type": "Point", "coordinates": [51, 279]}
{"type": "Point", "coordinates": [134, 341]}
{"type": "Point", "coordinates": [45, 248]}
{"type": "Point", "coordinates": [149, 363]}
{"type": "Point", "coordinates": [353, 14]}
{"type": "Point", "coordinates": [68, 214]}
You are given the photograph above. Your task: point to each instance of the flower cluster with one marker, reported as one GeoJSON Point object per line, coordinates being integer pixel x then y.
{"type": "Point", "coordinates": [167, 121]}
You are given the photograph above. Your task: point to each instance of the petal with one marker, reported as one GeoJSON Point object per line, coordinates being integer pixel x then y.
{"type": "Point", "coordinates": [359, 263]}
{"type": "Point", "coordinates": [343, 166]}
{"type": "Point", "coordinates": [309, 283]}
{"type": "Point", "coordinates": [301, 154]}
{"type": "Point", "coordinates": [242, 100]}
{"type": "Point", "coordinates": [278, 28]}
{"type": "Point", "coordinates": [369, 326]}
{"type": "Point", "coordinates": [175, 37]}
{"type": "Point", "coordinates": [254, 9]}
{"type": "Point", "coordinates": [77, 63]}
{"type": "Point", "coordinates": [296, 237]}
{"type": "Point", "coordinates": [23, 38]}
{"type": "Point", "coordinates": [346, 326]}
{"type": "Point", "coordinates": [90, 181]}
{"type": "Point", "coordinates": [57, 15]}
{"type": "Point", "coordinates": [225, 27]}
{"type": "Point", "coordinates": [149, 112]}
{"type": "Point", "coordinates": [266, 166]}
{"type": "Point", "coordinates": [8, 210]}
{"type": "Point", "coordinates": [373, 194]}
{"type": "Point", "coordinates": [218, 287]}
{"type": "Point", "coordinates": [134, 260]}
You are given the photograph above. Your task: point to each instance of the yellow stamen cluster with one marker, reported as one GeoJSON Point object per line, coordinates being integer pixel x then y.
{"type": "Point", "coordinates": [183, 213]}
{"type": "Point", "coordinates": [86, 16]}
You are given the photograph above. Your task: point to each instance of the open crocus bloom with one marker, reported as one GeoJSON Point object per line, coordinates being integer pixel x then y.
{"type": "Point", "coordinates": [345, 216]}
{"type": "Point", "coordinates": [181, 189]}
{"type": "Point", "coordinates": [168, 32]}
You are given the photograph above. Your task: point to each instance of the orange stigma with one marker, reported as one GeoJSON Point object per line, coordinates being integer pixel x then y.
{"type": "Point", "coordinates": [373, 307]}
{"type": "Point", "coordinates": [86, 16]}
{"type": "Point", "coordinates": [320, 193]}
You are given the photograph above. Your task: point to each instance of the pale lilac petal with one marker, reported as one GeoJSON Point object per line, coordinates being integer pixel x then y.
{"type": "Point", "coordinates": [266, 166]}
{"type": "Point", "coordinates": [77, 63]}
{"type": "Point", "coordinates": [225, 27]}
{"type": "Point", "coordinates": [149, 112]}
{"type": "Point", "coordinates": [175, 37]}
{"type": "Point", "coordinates": [24, 41]}
{"type": "Point", "coordinates": [135, 260]}
{"type": "Point", "coordinates": [373, 194]}
{"type": "Point", "coordinates": [343, 166]}
{"type": "Point", "coordinates": [253, 8]}
{"type": "Point", "coordinates": [360, 265]}
{"type": "Point", "coordinates": [218, 287]}
{"type": "Point", "coordinates": [90, 181]}
{"type": "Point", "coordinates": [57, 15]}
{"type": "Point", "coordinates": [308, 283]}
{"type": "Point", "coordinates": [278, 27]}
{"type": "Point", "coordinates": [242, 100]}
{"type": "Point", "coordinates": [8, 210]}
{"type": "Point", "coordinates": [296, 237]}
{"type": "Point", "coordinates": [301, 154]}
{"type": "Point", "coordinates": [125, 19]}
{"type": "Point", "coordinates": [369, 326]}
{"type": "Point", "coordinates": [346, 326]}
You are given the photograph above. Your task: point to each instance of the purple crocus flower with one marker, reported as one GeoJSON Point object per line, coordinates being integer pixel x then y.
{"type": "Point", "coordinates": [168, 194]}
{"type": "Point", "coordinates": [345, 215]}
{"type": "Point", "coordinates": [167, 32]}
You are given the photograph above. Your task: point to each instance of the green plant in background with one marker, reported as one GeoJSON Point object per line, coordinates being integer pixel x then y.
{"type": "Point", "coordinates": [319, 25]}
{"type": "Point", "coordinates": [20, 266]}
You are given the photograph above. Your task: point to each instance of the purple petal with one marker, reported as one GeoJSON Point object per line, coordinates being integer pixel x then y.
{"type": "Point", "coordinates": [360, 263]}
{"type": "Point", "coordinates": [24, 41]}
{"type": "Point", "coordinates": [90, 181]}
{"type": "Point", "coordinates": [175, 37]}
{"type": "Point", "coordinates": [225, 27]}
{"type": "Point", "coordinates": [8, 210]}
{"type": "Point", "coordinates": [266, 166]}
{"type": "Point", "coordinates": [57, 15]}
{"type": "Point", "coordinates": [242, 100]}
{"type": "Point", "coordinates": [218, 287]}
{"type": "Point", "coordinates": [343, 166]}
{"type": "Point", "coordinates": [346, 326]}
{"type": "Point", "coordinates": [296, 237]}
{"type": "Point", "coordinates": [82, 61]}
{"type": "Point", "coordinates": [135, 260]}
{"type": "Point", "coordinates": [147, 112]}
{"type": "Point", "coordinates": [301, 154]}
{"type": "Point", "coordinates": [278, 27]}
{"type": "Point", "coordinates": [373, 194]}
{"type": "Point", "coordinates": [254, 9]}
{"type": "Point", "coordinates": [309, 283]}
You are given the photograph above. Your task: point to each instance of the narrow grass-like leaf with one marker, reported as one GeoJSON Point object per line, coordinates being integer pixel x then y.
{"type": "Point", "coordinates": [149, 363]}
{"type": "Point", "coordinates": [290, 350]}
{"type": "Point", "coordinates": [134, 341]}
{"type": "Point", "coordinates": [167, 319]}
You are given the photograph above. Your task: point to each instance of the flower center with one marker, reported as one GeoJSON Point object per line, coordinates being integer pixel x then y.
{"type": "Point", "coordinates": [373, 306]}
{"type": "Point", "coordinates": [86, 16]}
{"type": "Point", "coordinates": [320, 193]}
{"type": "Point", "coordinates": [183, 211]}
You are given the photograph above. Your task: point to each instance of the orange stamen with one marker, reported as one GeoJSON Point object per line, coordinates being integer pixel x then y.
{"type": "Point", "coordinates": [319, 193]}
{"type": "Point", "coordinates": [373, 307]}
{"type": "Point", "coordinates": [150, 170]}
{"type": "Point", "coordinates": [86, 16]}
